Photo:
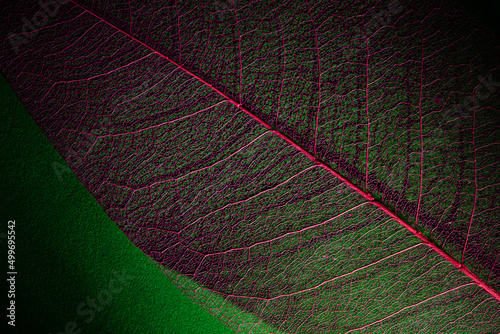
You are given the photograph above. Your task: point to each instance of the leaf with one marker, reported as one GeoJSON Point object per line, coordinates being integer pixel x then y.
{"type": "Point", "coordinates": [326, 167]}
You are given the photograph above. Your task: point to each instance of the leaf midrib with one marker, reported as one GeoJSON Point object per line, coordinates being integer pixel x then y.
{"type": "Point", "coordinates": [459, 265]}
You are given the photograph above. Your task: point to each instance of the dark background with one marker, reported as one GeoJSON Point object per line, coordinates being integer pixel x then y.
{"type": "Point", "coordinates": [486, 11]}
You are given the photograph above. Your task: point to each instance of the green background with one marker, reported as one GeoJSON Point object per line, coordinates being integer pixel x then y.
{"type": "Point", "coordinates": [67, 248]}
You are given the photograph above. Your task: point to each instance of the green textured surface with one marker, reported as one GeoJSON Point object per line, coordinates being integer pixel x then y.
{"type": "Point", "coordinates": [67, 247]}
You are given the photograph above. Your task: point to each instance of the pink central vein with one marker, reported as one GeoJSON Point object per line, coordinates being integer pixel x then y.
{"type": "Point", "coordinates": [460, 266]}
